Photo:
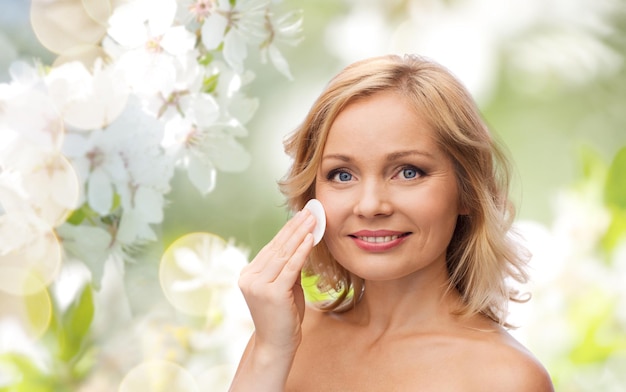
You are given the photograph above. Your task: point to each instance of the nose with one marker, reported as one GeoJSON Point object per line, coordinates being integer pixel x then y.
{"type": "Point", "coordinates": [373, 201]}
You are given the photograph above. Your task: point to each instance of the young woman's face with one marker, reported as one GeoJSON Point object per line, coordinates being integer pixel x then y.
{"type": "Point", "coordinates": [390, 193]}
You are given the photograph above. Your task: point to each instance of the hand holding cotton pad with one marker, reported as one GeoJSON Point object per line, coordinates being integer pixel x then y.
{"type": "Point", "coordinates": [317, 210]}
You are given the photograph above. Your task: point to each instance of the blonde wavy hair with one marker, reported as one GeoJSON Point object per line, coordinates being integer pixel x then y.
{"type": "Point", "coordinates": [482, 254]}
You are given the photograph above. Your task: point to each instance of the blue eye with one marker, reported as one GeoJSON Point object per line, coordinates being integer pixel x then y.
{"type": "Point", "coordinates": [340, 176]}
{"type": "Point", "coordinates": [410, 172]}
{"type": "Point", "coordinates": [343, 176]}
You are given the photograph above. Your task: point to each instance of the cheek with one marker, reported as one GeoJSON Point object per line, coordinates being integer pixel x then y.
{"type": "Point", "coordinates": [436, 211]}
{"type": "Point", "coordinates": [330, 210]}
{"type": "Point", "coordinates": [336, 211]}
{"type": "Point", "coordinates": [443, 217]}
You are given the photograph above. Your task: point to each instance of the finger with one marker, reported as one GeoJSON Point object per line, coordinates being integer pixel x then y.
{"type": "Point", "coordinates": [273, 257]}
{"type": "Point", "coordinates": [291, 272]}
{"type": "Point", "coordinates": [292, 234]}
{"type": "Point", "coordinates": [284, 290]}
{"type": "Point", "coordinates": [264, 255]}
{"type": "Point", "coordinates": [280, 254]}
{"type": "Point", "coordinates": [298, 295]}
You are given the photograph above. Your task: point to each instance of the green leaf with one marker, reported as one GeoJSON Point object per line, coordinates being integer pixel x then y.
{"type": "Point", "coordinates": [615, 186]}
{"type": "Point", "coordinates": [593, 164]}
{"type": "Point", "coordinates": [77, 217]}
{"type": "Point", "coordinates": [615, 200]}
{"type": "Point", "coordinates": [75, 325]}
{"type": "Point", "coordinates": [616, 231]}
{"type": "Point", "coordinates": [206, 59]}
{"type": "Point", "coordinates": [117, 201]}
{"type": "Point", "coordinates": [39, 309]}
{"type": "Point", "coordinates": [78, 318]}
{"type": "Point", "coordinates": [592, 316]}
{"type": "Point", "coordinates": [85, 363]}
{"type": "Point", "coordinates": [210, 83]}
{"type": "Point", "coordinates": [28, 377]}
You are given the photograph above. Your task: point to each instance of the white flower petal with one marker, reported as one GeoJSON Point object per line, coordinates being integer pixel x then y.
{"type": "Point", "coordinates": [279, 61]}
{"type": "Point", "coordinates": [148, 73]}
{"type": "Point", "coordinates": [243, 108]}
{"type": "Point", "coordinates": [149, 204]}
{"type": "Point", "coordinates": [236, 129]}
{"type": "Point", "coordinates": [88, 244]}
{"type": "Point", "coordinates": [32, 115]}
{"type": "Point", "coordinates": [161, 14]}
{"type": "Point", "coordinates": [177, 41]}
{"type": "Point", "coordinates": [133, 227]}
{"type": "Point", "coordinates": [102, 104]}
{"type": "Point", "coordinates": [116, 167]}
{"type": "Point", "coordinates": [75, 145]}
{"type": "Point", "coordinates": [213, 31]}
{"type": "Point", "coordinates": [129, 228]}
{"type": "Point", "coordinates": [176, 132]}
{"type": "Point", "coordinates": [126, 25]}
{"type": "Point", "coordinates": [146, 233]}
{"type": "Point", "coordinates": [68, 82]}
{"type": "Point", "coordinates": [187, 285]}
{"type": "Point", "coordinates": [235, 50]}
{"type": "Point", "coordinates": [201, 174]}
{"type": "Point", "coordinates": [205, 110]}
{"type": "Point", "coordinates": [100, 192]}
{"type": "Point", "coordinates": [23, 73]}
{"type": "Point", "coordinates": [189, 262]}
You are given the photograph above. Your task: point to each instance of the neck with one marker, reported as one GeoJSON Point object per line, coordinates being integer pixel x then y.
{"type": "Point", "coordinates": [406, 303]}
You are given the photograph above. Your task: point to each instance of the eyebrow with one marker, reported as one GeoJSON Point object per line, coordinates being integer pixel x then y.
{"type": "Point", "coordinates": [394, 156]}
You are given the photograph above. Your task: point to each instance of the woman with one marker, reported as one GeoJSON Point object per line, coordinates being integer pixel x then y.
{"type": "Point", "coordinates": [415, 254]}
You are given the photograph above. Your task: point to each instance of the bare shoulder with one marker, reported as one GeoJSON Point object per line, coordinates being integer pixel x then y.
{"type": "Point", "coordinates": [506, 365]}
{"type": "Point", "coordinates": [461, 356]}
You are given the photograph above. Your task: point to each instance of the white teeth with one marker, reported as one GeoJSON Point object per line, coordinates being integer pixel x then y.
{"type": "Point", "coordinates": [378, 240]}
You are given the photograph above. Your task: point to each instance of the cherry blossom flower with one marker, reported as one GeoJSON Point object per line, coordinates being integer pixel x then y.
{"type": "Point", "coordinates": [285, 29]}
{"type": "Point", "coordinates": [113, 160]}
{"type": "Point", "coordinates": [150, 44]}
{"type": "Point", "coordinates": [87, 100]}
{"type": "Point", "coordinates": [88, 152]}
{"type": "Point", "coordinates": [232, 25]}
{"type": "Point", "coordinates": [27, 112]}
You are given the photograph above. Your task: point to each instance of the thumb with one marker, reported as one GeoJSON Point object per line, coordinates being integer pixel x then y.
{"type": "Point", "coordinates": [298, 295]}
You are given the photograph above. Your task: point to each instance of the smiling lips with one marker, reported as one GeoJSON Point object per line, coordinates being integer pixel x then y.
{"type": "Point", "coordinates": [379, 240]}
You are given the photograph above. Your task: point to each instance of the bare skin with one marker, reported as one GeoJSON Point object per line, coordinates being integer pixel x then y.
{"type": "Point", "coordinates": [391, 207]}
{"type": "Point", "coordinates": [444, 353]}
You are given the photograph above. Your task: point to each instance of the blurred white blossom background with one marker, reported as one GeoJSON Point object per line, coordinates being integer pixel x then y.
{"type": "Point", "coordinates": [137, 92]}
{"type": "Point", "coordinates": [140, 144]}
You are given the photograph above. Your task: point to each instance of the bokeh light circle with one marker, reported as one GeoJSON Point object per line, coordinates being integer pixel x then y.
{"type": "Point", "coordinates": [87, 54]}
{"type": "Point", "coordinates": [62, 24]}
{"type": "Point", "coordinates": [158, 376]}
{"type": "Point", "coordinates": [29, 307]}
{"type": "Point", "coordinates": [54, 188]}
{"type": "Point", "coordinates": [28, 247]}
{"type": "Point", "coordinates": [98, 10]}
{"type": "Point", "coordinates": [33, 117]}
{"type": "Point", "coordinates": [190, 272]}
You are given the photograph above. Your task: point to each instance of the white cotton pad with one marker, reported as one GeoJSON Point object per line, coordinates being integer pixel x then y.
{"type": "Point", "coordinates": [317, 210]}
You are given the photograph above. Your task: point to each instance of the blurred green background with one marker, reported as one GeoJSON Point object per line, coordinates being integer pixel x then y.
{"type": "Point", "coordinates": [568, 94]}
{"type": "Point", "coordinates": [545, 118]}
{"type": "Point", "coordinates": [550, 79]}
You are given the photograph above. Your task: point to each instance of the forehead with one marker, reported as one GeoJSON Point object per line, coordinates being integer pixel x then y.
{"type": "Point", "coordinates": [384, 122]}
